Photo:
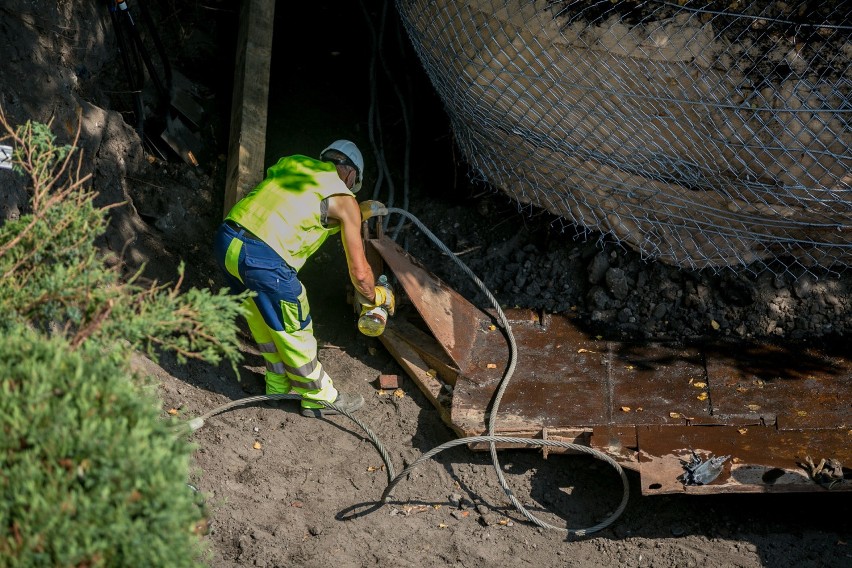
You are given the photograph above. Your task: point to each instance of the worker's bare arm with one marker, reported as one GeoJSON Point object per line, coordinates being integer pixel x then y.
{"type": "Point", "coordinates": [345, 209]}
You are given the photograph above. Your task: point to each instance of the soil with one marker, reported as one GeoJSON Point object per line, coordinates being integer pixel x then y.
{"type": "Point", "coordinates": [285, 490]}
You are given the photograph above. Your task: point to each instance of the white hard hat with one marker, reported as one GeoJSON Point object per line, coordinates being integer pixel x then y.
{"type": "Point", "coordinates": [351, 151]}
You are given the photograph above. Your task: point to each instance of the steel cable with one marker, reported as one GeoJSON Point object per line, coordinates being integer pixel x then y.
{"type": "Point", "coordinates": [492, 439]}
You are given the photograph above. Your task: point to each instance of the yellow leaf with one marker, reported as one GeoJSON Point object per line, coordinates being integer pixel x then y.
{"type": "Point", "coordinates": [742, 430]}
{"type": "Point", "coordinates": [372, 468]}
{"type": "Point", "coordinates": [442, 526]}
{"type": "Point", "coordinates": [674, 415]}
{"type": "Point", "coordinates": [699, 385]}
{"type": "Point", "coordinates": [492, 327]}
{"type": "Point", "coordinates": [630, 367]}
{"type": "Point", "coordinates": [625, 409]}
{"type": "Point", "coordinates": [256, 445]}
{"type": "Point", "coordinates": [754, 407]}
{"type": "Point", "coordinates": [702, 396]}
{"type": "Point", "coordinates": [431, 372]}
{"type": "Point", "coordinates": [801, 412]}
{"type": "Point", "coordinates": [491, 366]}
{"type": "Point", "coordinates": [714, 324]}
{"type": "Point", "coordinates": [399, 393]}
{"type": "Point", "coordinates": [382, 393]}
{"type": "Point", "coordinates": [742, 389]}
{"type": "Point", "coordinates": [173, 411]}
{"type": "Point", "coordinates": [581, 350]}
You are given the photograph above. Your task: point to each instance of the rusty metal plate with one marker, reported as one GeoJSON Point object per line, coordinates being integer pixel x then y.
{"type": "Point", "coordinates": [649, 406]}
{"type": "Point", "coordinates": [793, 386]}
{"type": "Point", "coordinates": [559, 381]}
{"type": "Point", "coordinates": [657, 384]}
{"type": "Point", "coordinates": [763, 459]}
{"type": "Point", "coordinates": [452, 319]}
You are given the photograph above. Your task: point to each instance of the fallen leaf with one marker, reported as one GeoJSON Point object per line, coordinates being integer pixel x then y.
{"type": "Point", "coordinates": [754, 407]}
{"type": "Point", "coordinates": [256, 445]}
{"type": "Point", "coordinates": [599, 337]}
{"type": "Point", "coordinates": [714, 324]}
{"type": "Point", "coordinates": [640, 409]}
{"type": "Point", "coordinates": [742, 389]}
{"type": "Point", "coordinates": [801, 412]}
{"type": "Point", "coordinates": [699, 385]}
{"type": "Point", "coordinates": [491, 366]}
{"type": "Point", "coordinates": [399, 393]}
{"type": "Point", "coordinates": [674, 415]}
{"type": "Point", "coordinates": [297, 504]}
{"type": "Point", "coordinates": [625, 409]}
{"type": "Point", "coordinates": [431, 372]}
{"type": "Point", "coordinates": [492, 327]}
{"type": "Point", "coordinates": [372, 468]}
{"type": "Point", "coordinates": [382, 393]}
{"type": "Point", "coordinates": [436, 506]}
{"type": "Point", "coordinates": [581, 350]}
{"type": "Point", "coordinates": [442, 526]}
{"type": "Point", "coordinates": [173, 411]}
{"type": "Point", "coordinates": [702, 396]}
{"type": "Point", "coordinates": [742, 430]}
{"type": "Point", "coordinates": [630, 367]}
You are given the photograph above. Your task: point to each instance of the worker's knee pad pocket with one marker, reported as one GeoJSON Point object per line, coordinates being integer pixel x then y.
{"type": "Point", "coordinates": [296, 315]}
{"type": "Point", "coordinates": [261, 273]}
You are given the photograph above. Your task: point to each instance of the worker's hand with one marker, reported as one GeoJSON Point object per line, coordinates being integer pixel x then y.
{"type": "Point", "coordinates": [372, 208]}
{"type": "Point", "coordinates": [384, 298]}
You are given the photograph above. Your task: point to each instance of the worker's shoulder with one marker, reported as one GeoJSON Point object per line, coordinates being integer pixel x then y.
{"type": "Point", "coordinates": [300, 163]}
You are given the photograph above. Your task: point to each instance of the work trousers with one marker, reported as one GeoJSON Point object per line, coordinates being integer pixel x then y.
{"type": "Point", "coordinates": [278, 315]}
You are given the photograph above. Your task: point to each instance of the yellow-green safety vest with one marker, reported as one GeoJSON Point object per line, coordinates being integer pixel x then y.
{"type": "Point", "coordinates": [284, 209]}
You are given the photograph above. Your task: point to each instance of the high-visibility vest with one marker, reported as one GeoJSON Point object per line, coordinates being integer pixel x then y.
{"type": "Point", "coordinates": [284, 209]}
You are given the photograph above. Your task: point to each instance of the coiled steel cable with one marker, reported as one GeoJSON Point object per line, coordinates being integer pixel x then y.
{"type": "Point", "coordinates": [491, 439]}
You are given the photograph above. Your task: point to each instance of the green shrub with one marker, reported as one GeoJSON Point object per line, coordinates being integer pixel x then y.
{"type": "Point", "coordinates": [90, 475]}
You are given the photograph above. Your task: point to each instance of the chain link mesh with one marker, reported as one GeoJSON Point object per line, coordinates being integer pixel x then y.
{"type": "Point", "coordinates": [704, 134]}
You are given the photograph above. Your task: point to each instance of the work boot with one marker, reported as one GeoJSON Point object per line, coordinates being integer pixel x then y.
{"type": "Point", "coordinates": [344, 401]}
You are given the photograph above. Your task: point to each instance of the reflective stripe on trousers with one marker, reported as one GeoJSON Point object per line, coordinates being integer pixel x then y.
{"type": "Point", "coordinates": [278, 316]}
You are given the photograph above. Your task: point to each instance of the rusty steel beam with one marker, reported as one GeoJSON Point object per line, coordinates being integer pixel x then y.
{"type": "Point", "coordinates": [651, 406]}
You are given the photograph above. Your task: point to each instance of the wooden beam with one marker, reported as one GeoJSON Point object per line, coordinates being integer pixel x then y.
{"type": "Point", "coordinates": [247, 144]}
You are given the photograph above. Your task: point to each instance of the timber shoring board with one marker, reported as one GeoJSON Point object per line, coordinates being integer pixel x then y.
{"type": "Point", "coordinates": [247, 145]}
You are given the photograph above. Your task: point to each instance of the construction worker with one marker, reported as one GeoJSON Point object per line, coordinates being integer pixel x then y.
{"type": "Point", "coordinates": [265, 240]}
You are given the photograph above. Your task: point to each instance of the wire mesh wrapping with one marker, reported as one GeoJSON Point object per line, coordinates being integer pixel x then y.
{"type": "Point", "coordinates": [704, 134]}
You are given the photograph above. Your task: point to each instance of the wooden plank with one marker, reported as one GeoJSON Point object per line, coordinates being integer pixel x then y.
{"type": "Point", "coordinates": [418, 370]}
{"type": "Point", "coordinates": [247, 144]}
{"type": "Point", "coordinates": [425, 346]}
